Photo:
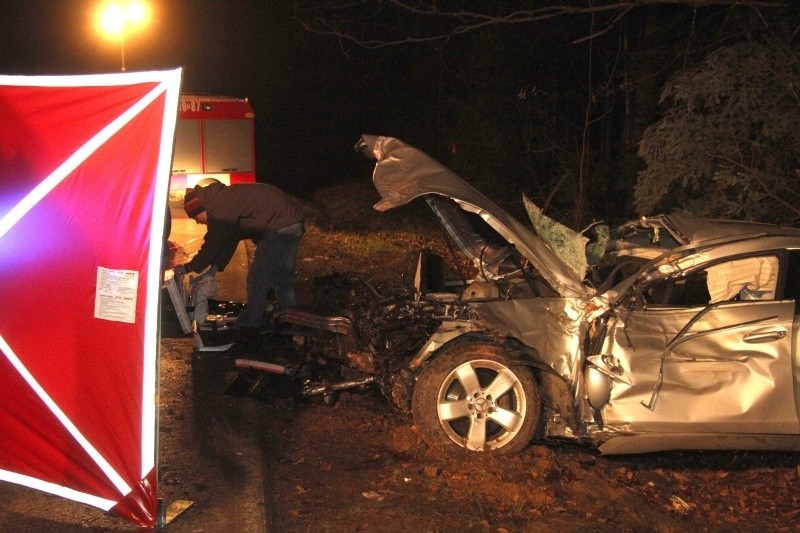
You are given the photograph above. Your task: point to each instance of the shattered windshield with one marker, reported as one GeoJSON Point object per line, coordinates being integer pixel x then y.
{"type": "Point", "coordinates": [576, 249]}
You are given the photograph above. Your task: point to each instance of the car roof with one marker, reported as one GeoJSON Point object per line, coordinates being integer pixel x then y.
{"type": "Point", "coordinates": [700, 230]}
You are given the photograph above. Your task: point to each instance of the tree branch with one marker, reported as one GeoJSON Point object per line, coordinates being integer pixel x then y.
{"type": "Point", "coordinates": [351, 21]}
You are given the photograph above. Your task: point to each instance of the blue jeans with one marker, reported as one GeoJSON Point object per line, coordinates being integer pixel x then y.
{"type": "Point", "coordinates": [272, 268]}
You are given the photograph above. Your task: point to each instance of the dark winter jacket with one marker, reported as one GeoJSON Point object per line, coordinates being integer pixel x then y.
{"type": "Point", "coordinates": [236, 212]}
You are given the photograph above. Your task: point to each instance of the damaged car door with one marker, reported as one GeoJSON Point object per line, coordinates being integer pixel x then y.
{"type": "Point", "coordinates": [704, 358]}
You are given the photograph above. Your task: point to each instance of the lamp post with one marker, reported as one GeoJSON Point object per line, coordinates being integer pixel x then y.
{"type": "Point", "coordinates": [115, 18]}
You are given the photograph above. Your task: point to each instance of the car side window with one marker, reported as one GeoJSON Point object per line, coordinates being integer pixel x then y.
{"type": "Point", "coordinates": [791, 290]}
{"type": "Point", "coordinates": [749, 278]}
{"type": "Point", "coordinates": [688, 291]}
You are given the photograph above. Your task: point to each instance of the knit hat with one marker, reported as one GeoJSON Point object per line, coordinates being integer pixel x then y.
{"type": "Point", "coordinates": [192, 203]}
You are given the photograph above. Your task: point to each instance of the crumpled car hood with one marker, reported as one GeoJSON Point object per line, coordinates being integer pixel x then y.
{"type": "Point", "coordinates": [403, 173]}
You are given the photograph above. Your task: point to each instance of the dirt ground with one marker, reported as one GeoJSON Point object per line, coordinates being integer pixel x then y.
{"type": "Point", "coordinates": [360, 466]}
{"type": "Point", "coordinates": [356, 467]}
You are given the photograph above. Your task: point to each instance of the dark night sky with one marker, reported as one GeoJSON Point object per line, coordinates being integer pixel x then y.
{"type": "Point", "coordinates": [311, 103]}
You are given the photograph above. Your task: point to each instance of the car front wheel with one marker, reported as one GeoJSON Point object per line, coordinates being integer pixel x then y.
{"type": "Point", "coordinates": [471, 397]}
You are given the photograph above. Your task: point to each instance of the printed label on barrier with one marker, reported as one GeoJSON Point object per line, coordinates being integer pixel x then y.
{"type": "Point", "coordinates": [115, 295]}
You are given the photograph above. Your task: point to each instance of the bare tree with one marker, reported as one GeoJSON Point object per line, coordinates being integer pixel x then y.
{"type": "Point", "coordinates": [565, 130]}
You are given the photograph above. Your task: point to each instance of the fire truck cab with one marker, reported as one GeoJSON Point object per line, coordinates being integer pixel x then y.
{"type": "Point", "coordinates": [214, 138]}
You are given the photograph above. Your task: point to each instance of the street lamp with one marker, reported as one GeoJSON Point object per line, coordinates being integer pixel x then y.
{"type": "Point", "coordinates": [115, 18]}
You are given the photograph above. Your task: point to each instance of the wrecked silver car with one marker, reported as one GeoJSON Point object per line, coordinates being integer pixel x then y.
{"type": "Point", "coordinates": [674, 333]}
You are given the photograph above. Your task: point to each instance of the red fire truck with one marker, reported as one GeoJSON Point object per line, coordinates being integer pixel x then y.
{"type": "Point", "coordinates": [214, 138]}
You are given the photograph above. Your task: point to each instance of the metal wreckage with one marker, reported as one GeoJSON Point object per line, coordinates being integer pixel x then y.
{"type": "Point", "coordinates": [665, 333]}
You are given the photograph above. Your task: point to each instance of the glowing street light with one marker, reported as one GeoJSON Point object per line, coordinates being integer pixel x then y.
{"type": "Point", "coordinates": [115, 18]}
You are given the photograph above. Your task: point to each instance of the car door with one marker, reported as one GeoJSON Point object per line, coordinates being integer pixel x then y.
{"type": "Point", "coordinates": [706, 352]}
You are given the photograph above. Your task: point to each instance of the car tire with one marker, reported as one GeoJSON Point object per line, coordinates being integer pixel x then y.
{"type": "Point", "coordinates": [471, 397]}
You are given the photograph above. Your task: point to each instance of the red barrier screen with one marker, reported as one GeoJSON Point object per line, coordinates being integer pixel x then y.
{"type": "Point", "coordinates": [84, 172]}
